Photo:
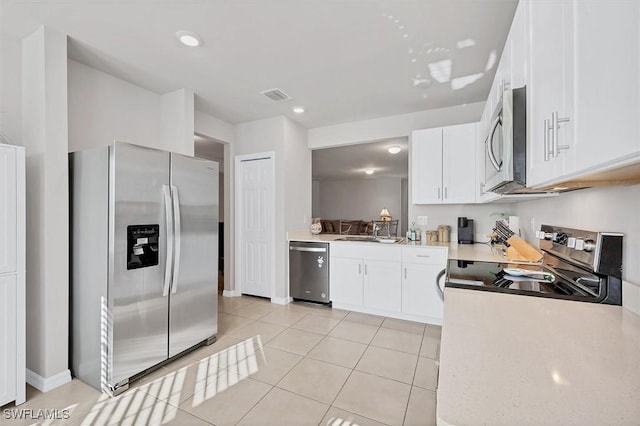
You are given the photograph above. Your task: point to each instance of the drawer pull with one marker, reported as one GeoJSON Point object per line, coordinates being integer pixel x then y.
{"type": "Point", "coordinates": [422, 255]}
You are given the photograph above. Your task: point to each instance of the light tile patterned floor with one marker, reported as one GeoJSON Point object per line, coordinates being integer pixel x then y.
{"type": "Point", "coordinates": [288, 365]}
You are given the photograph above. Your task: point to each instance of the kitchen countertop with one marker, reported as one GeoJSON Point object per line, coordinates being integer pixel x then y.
{"type": "Point", "coordinates": [509, 359]}
{"type": "Point", "coordinates": [472, 252]}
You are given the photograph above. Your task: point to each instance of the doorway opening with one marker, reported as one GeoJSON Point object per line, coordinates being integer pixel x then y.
{"type": "Point", "coordinates": [211, 149]}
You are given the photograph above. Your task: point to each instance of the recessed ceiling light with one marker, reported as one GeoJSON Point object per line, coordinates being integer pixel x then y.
{"type": "Point", "coordinates": [188, 38]}
{"type": "Point", "coordinates": [369, 171]}
{"type": "Point", "coordinates": [298, 110]}
{"type": "Point", "coordinates": [560, 188]}
{"type": "Point", "coordinates": [394, 149]}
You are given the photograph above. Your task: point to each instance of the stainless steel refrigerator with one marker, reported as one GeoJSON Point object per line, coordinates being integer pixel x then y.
{"type": "Point", "coordinates": [144, 260]}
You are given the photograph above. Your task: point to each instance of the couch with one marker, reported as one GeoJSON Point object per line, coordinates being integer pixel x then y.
{"type": "Point", "coordinates": [346, 227]}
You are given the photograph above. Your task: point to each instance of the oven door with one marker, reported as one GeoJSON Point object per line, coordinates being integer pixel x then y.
{"type": "Point", "coordinates": [499, 145]}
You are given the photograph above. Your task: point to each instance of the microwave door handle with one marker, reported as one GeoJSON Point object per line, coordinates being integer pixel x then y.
{"type": "Point", "coordinates": [492, 156]}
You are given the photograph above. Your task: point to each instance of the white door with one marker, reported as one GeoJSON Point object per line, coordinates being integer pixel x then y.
{"type": "Point", "coordinates": [8, 208]}
{"type": "Point", "coordinates": [255, 203]}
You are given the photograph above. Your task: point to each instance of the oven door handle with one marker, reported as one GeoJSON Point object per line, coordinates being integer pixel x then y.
{"type": "Point", "coordinates": [489, 143]}
{"type": "Point", "coordinates": [440, 289]}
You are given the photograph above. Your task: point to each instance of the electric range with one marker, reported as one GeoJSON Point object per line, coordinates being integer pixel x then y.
{"type": "Point", "coordinates": [577, 265]}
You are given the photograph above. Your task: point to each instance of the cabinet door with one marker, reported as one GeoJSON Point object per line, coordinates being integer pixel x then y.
{"type": "Point", "coordinates": [420, 295]}
{"type": "Point", "coordinates": [426, 166]}
{"type": "Point", "coordinates": [8, 327]}
{"type": "Point", "coordinates": [550, 90]}
{"type": "Point", "coordinates": [459, 164]}
{"type": "Point", "coordinates": [8, 210]}
{"type": "Point", "coordinates": [607, 102]}
{"type": "Point", "coordinates": [382, 286]}
{"type": "Point", "coordinates": [519, 47]}
{"type": "Point", "coordinates": [346, 281]}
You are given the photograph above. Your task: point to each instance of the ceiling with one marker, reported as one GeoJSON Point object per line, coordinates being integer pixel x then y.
{"type": "Point", "coordinates": [342, 60]}
{"type": "Point", "coordinates": [349, 162]}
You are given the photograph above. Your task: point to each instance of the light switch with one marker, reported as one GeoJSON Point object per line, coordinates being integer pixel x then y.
{"type": "Point", "coordinates": [423, 220]}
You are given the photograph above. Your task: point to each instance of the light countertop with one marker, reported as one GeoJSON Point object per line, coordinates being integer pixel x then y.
{"type": "Point", "coordinates": [471, 252]}
{"type": "Point", "coordinates": [509, 359]}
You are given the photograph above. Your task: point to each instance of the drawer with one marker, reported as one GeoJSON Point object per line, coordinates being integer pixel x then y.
{"type": "Point", "coordinates": [425, 255]}
{"type": "Point", "coordinates": [366, 251]}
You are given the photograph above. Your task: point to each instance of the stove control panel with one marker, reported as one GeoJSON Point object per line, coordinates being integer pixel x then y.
{"type": "Point", "coordinates": [599, 251]}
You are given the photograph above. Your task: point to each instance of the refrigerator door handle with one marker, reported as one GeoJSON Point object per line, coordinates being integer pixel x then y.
{"type": "Point", "coordinates": [168, 210]}
{"type": "Point", "coordinates": [176, 226]}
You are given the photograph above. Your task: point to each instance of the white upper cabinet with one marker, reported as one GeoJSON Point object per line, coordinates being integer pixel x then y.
{"type": "Point", "coordinates": [426, 166]}
{"type": "Point", "coordinates": [607, 84]}
{"type": "Point", "coordinates": [459, 164]}
{"type": "Point", "coordinates": [550, 90]}
{"type": "Point", "coordinates": [443, 165]}
{"type": "Point", "coordinates": [583, 97]}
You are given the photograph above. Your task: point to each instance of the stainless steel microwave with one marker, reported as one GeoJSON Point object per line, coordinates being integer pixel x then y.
{"type": "Point", "coordinates": [506, 144]}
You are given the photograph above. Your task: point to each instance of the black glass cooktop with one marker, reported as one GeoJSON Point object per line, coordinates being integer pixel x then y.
{"type": "Point", "coordinates": [559, 280]}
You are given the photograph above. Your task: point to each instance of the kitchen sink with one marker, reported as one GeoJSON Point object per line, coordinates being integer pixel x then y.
{"type": "Point", "coordinates": [391, 240]}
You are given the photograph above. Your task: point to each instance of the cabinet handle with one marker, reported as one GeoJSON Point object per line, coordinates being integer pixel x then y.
{"type": "Point", "coordinates": [546, 140]}
{"type": "Point", "coordinates": [555, 125]}
{"type": "Point", "coordinates": [405, 273]}
{"type": "Point", "coordinates": [422, 255]}
{"type": "Point", "coordinates": [438, 193]}
{"type": "Point", "coordinates": [365, 269]}
{"type": "Point", "coordinates": [445, 192]}
{"type": "Point", "coordinates": [360, 269]}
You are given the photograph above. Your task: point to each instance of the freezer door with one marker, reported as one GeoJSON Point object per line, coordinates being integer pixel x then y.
{"type": "Point", "coordinates": [139, 311]}
{"type": "Point", "coordinates": [193, 312]}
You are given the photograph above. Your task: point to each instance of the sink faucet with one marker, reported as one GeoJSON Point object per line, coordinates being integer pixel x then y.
{"type": "Point", "coordinates": [375, 230]}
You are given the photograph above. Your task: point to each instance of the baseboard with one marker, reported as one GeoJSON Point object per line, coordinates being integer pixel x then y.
{"type": "Point", "coordinates": [281, 300]}
{"type": "Point", "coordinates": [230, 293]}
{"type": "Point", "coordinates": [49, 383]}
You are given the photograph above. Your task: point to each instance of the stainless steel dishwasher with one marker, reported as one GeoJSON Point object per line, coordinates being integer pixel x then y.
{"type": "Point", "coordinates": [309, 271]}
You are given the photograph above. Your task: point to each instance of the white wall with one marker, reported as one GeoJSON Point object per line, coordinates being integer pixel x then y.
{"type": "Point", "coordinates": [614, 209]}
{"type": "Point", "coordinates": [177, 121]}
{"type": "Point", "coordinates": [392, 126]}
{"type": "Point", "coordinates": [210, 126]}
{"type": "Point", "coordinates": [315, 198]}
{"type": "Point", "coordinates": [10, 89]}
{"type": "Point", "coordinates": [360, 199]}
{"type": "Point", "coordinates": [292, 181]}
{"type": "Point", "coordinates": [103, 109]}
{"type": "Point", "coordinates": [44, 131]}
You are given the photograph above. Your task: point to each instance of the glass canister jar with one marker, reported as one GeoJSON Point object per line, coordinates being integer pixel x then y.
{"type": "Point", "coordinates": [444, 233]}
{"type": "Point", "coordinates": [432, 236]}
{"type": "Point", "coordinates": [316, 226]}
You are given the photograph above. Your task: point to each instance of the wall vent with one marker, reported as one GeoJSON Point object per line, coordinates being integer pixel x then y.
{"type": "Point", "coordinates": [276, 95]}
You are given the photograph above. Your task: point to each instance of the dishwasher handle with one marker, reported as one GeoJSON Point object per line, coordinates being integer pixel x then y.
{"type": "Point", "coordinates": [311, 249]}
{"type": "Point", "coordinates": [440, 289]}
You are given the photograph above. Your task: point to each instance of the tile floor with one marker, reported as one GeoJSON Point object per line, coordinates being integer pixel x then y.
{"type": "Point", "coordinates": [287, 365]}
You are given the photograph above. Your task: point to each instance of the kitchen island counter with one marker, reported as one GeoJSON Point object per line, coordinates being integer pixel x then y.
{"type": "Point", "coordinates": [510, 359]}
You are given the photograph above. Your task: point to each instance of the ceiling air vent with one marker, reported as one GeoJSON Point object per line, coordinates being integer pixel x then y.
{"type": "Point", "coordinates": [276, 95]}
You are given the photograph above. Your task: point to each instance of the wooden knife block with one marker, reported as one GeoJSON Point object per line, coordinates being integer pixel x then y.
{"type": "Point", "coordinates": [519, 249]}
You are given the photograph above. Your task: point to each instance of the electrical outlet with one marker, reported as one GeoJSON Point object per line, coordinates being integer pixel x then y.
{"type": "Point", "coordinates": [423, 220]}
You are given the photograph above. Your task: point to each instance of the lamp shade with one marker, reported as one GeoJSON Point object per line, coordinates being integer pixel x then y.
{"type": "Point", "coordinates": [385, 216]}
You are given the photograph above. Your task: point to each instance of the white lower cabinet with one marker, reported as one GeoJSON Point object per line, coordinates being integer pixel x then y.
{"type": "Point", "coordinates": [346, 281]}
{"type": "Point", "coordinates": [397, 282]}
{"type": "Point", "coordinates": [382, 285]}
{"type": "Point", "coordinates": [420, 294]}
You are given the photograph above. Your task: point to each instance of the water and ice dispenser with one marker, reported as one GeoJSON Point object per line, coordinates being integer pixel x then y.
{"type": "Point", "coordinates": [142, 246]}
